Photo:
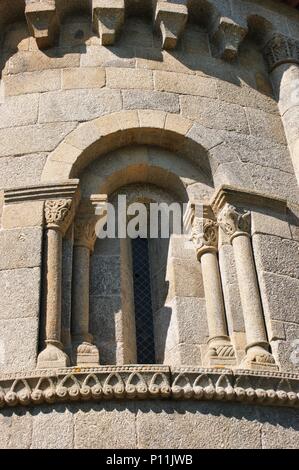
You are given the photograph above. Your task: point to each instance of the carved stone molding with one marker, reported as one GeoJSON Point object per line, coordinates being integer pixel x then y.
{"type": "Point", "coordinates": [280, 50]}
{"type": "Point", "coordinates": [234, 221]}
{"type": "Point", "coordinates": [139, 382]}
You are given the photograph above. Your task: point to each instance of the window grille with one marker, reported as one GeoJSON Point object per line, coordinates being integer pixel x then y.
{"type": "Point", "coordinates": [143, 302]}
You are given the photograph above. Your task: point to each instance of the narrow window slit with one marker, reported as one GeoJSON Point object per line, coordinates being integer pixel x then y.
{"type": "Point", "coordinates": [143, 302]}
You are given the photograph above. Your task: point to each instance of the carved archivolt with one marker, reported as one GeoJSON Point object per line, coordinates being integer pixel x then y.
{"type": "Point", "coordinates": [123, 382]}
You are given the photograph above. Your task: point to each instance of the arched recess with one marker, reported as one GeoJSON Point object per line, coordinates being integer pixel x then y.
{"type": "Point", "coordinates": [146, 173]}
{"type": "Point", "coordinates": [143, 147]}
{"type": "Point", "coordinates": [96, 138]}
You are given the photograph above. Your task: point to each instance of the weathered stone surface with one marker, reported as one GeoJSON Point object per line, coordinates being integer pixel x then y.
{"type": "Point", "coordinates": [32, 82]}
{"type": "Point", "coordinates": [53, 429]}
{"type": "Point", "coordinates": [280, 295]}
{"type": "Point", "coordinates": [28, 214]}
{"type": "Point", "coordinates": [78, 105]}
{"type": "Point", "coordinates": [271, 223]}
{"type": "Point", "coordinates": [258, 150]}
{"type": "Point", "coordinates": [84, 77]}
{"type": "Point", "coordinates": [178, 271]}
{"type": "Point", "coordinates": [276, 255]}
{"type": "Point", "coordinates": [111, 427]}
{"type": "Point", "coordinates": [185, 84]}
{"type": "Point", "coordinates": [37, 61]}
{"type": "Point", "coordinates": [126, 78]}
{"type": "Point", "coordinates": [265, 125]}
{"type": "Point", "coordinates": [19, 342]}
{"type": "Point", "coordinates": [191, 426]}
{"type": "Point", "coordinates": [214, 113]}
{"type": "Point", "coordinates": [230, 288]}
{"type": "Point", "coordinates": [33, 139]}
{"type": "Point", "coordinates": [20, 293]}
{"type": "Point", "coordinates": [104, 313]}
{"type": "Point", "coordinates": [245, 96]}
{"type": "Point", "coordinates": [19, 111]}
{"type": "Point", "coordinates": [191, 319]}
{"type": "Point", "coordinates": [150, 100]}
{"type": "Point", "coordinates": [21, 170]}
{"type": "Point", "coordinates": [105, 277]}
{"type": "Point", "coordinates": [20, 248]}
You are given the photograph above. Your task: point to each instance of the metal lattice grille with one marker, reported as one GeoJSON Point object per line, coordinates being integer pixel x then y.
{"type": "Point", "coordinates": [143, 302]}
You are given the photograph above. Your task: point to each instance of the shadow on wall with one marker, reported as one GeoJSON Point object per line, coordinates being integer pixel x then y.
{"type": "Point", "coordinates": [139, 46]}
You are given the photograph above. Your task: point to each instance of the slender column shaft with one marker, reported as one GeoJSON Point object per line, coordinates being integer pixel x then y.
{"type": "Point", "coordinates": [85, 353]}
{"type": "Point", "coordinates": [58, 215]}
{"type": "Point", "coordinates": [54, 265]}
{"type": "Point", "coordinates": [249, 291]}
{"type": "Point", "coordinates": [205, 237]}
{"type": "Point", "coordinates": [213, 295]}
{"type": "Point", "coordinates": [236, 223]}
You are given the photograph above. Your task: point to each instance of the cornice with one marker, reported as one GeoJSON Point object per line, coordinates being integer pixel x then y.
{"type": "Point", "coordinates": [227, 194]}
{"type": "Point", "coordinates": [227, 26]}
{"type": "Point", "coordinates": [148, 381]}
{"type": "Point", "coordinates": [68, 189]}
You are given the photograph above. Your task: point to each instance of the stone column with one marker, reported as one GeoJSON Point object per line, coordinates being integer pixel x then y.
{"type": "Point", "coordinates": [282, 56]}
{"type": "Point", "coordinates": [205, 237]}
{"type": "Point", "coordinates": [236, 223]}
{"type": "Point", "coordinates": [58, 214]}
{"type": "Point", "coordinates": [85, 353]}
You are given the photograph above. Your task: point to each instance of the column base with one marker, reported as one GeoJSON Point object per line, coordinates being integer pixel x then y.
{"type": "Point", "coordinates": [258, 358]}
{"type": "Point", "coordinates": [52, 357]}
{"type": "Point", "coordinates": [220, 353]}
{"type": "Point", "coordinates": [86, 355]}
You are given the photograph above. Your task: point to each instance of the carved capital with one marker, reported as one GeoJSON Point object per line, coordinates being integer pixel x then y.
{"type": "Point", "coordinates": [108, 17]}
{"type": "Point", "coordinates": [58, 214]}
{"type": "Point", "coordinates": [85, 232]}
{"type": "Point", "coordinates": [204, 235]}
{"type": "Point", "coordinates": [42, 21]}
{"type": "Point", "coordinates": [227, 36]}
{"type": "Point", "coordinates": [234, 221]}
{"type": "Point", "coordinates": [170, 19]}
{"type": "Point", "coordinates": [89, 213]}
{"type": "Point", "coordinates": [280, 50]}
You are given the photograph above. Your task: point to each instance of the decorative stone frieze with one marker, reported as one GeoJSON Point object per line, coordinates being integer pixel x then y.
{"type": "Point", "coordinates": [43, 22]}
{"type": "Point", "coordinates": [281, 49]}
{"type": "Point", "coordinates": [235, 222]}
{"type": "Point", "coordinates": [139, 382]}
{"type": "Point", "coordinates": [227, 35]}
{"type": "Point", "coordinates": [170, 20]}
{"type": "Point", "coordinates": [85, 353]}
{"type": "Point", "coordinates": [204, 233]}
{"type": "Point", "coordinates": [108, 18]}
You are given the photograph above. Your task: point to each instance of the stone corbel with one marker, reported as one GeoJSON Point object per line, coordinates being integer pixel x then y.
{"type": "Point", "coordinates": [170, 20]}
{"type": "Point", "coordinates": [281, 49]}
{"type": "Point", "coordinates": [108, 17]}
{"type": "Point", "coordinates": [43, 22]}
{"type": "Point", "coordinates": [227, 35]}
